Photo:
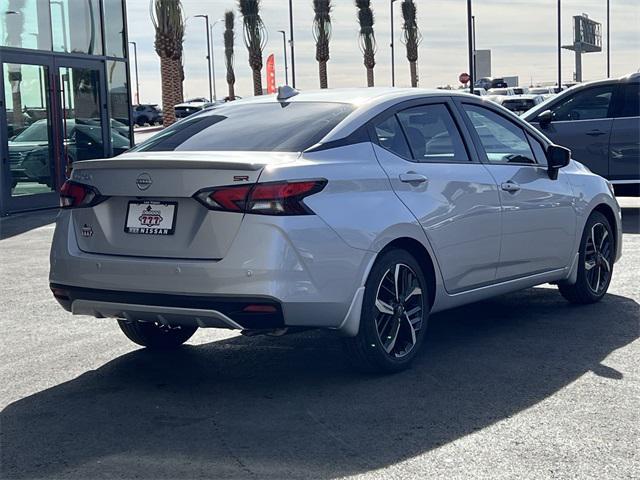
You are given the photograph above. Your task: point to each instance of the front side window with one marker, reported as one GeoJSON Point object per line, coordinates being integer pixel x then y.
{"type": "Point", "coordinates": [503, 141]}
{"type": "Point", "coordinates": [278, 127]}
{"type": "Point", "coordinates": [390, 136]}
{"type": "Point", "coordinates": [630, 106]}
{"type": "Point", "coordinates": [588, 104]}
{"type": "Point", "coordinates": [433, 136]}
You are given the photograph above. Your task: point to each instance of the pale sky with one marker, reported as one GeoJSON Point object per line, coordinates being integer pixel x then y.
{"type": "Point", "coordinates": [520, 33]}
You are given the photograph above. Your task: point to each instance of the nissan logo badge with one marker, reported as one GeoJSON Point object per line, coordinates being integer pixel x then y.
{"type": "Point", "coordinates": [143, 181]}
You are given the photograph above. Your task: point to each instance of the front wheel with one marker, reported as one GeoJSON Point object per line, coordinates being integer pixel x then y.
{"type": "Point", "coordinates": [155, 335]}
{"type": "Point", "coordinates": [394, 315]}
{"type": "Point", "coordinates": [595, 262]}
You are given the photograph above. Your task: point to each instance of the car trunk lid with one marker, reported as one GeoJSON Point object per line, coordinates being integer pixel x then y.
{"type": "Point", "coordinates": [149, 209]}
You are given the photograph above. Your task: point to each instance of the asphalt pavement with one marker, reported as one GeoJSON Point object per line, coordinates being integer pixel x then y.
{"type": "Point", "coordinates": [520, 386]}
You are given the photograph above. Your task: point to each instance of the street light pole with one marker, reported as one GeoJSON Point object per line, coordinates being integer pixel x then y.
{"type": "Point", "coordinates": [284, 53]}
{"type": "Point", "coordinates": [471, 46]}
{"type": "Point", "coordinates": [206, 19]}
{"type": "Point", "coordinates": [293, 53]}
{"type": "Point", "coordinates": [135, 61]}
{"type": "Point", "coordinates": [213, 59]}
{"type": "Point", "coordinates": [393, 54]}
{"type": "Point", "coordinates": [559, 45]}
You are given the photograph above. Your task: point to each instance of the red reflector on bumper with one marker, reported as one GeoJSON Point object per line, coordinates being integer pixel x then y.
{"type": "Point", "coordinates": [260, 309]}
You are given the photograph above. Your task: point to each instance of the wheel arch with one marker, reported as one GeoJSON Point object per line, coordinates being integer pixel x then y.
{"type": "Point", "coordinates": [422, 256]}
{"type": "Point", "coordinates": [609, 214]}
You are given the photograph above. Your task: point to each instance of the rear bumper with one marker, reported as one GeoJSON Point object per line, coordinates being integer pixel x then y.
{"type": "Point", "coordinates": [297, 264]}
{"type": "Point", "coordinates": [200, 311]}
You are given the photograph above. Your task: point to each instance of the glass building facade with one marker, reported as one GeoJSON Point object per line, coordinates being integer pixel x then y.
{"type": "Point", "coordinates": [65, 93]}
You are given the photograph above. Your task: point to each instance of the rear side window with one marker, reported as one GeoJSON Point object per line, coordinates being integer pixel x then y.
{"type": "Point", "coordinates": [433, 135]}
{"type": "Point", "coordinates": [279, 127]}
{"type": "Point", "coordinates": [630, 106]}
{"type": "Point", "coordinates": [503, 141]}
{"type": "Point", "coordinates": [390, 136]}
{"type": "Point", "coordinates": [588, 104]}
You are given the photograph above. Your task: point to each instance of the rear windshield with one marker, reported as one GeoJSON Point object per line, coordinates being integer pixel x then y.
{"type": "Point", "coordinates": [279, 127]}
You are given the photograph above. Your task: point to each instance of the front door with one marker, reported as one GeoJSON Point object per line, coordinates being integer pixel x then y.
{"type": "Point", "coordinates": [582, 122]}
{"type": "Point", "coordinates": [452, 195]}
{"type": "Point", "coordinates": [538, 220]}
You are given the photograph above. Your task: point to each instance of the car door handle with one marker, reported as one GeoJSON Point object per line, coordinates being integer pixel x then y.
{"type": "Point", "coordinates": [596, 133]}
{"type": "Point", "coordinates": [510, 187]}
{"type": "Point", "coordinates": [412, 177]}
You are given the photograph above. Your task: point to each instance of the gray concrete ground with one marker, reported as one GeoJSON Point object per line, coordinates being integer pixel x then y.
{"type": "Point", "coordinates": [521, 386]}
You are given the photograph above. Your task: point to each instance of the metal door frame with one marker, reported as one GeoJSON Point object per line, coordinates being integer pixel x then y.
{"type": "Point", "coordinates": [9, 203]}
{"type": "Point", "coordinates": [98, 65]}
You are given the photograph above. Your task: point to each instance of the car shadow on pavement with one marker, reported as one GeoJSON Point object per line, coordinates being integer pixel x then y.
{"type": "Point", "coordinates": [23, 222]}
{"type": "Point", "coordinates": [291, 408]}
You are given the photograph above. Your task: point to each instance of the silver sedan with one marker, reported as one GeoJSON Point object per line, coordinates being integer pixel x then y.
{"type": "Point", "coordinates": [360, 211]}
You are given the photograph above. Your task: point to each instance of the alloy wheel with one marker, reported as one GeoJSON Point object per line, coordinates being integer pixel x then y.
{"type": "Point", "coordinates": [399, 306]}
{"type": "Point", "coordinates": [597, 259]}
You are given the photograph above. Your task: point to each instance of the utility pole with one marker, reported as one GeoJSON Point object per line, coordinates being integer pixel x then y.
{"type": "Point", "coordinates": [471, 46]}
{"type": "Point", "coordinates": [475, 58]}
{"type": "Point", "coordinates": [608, 40]}
{"type": "Point", "coordinates": [559, 46]}
{"type": "Point", "coordinates": [293, 53]}
{"type": "Point", "coordinates": [206, 18]}
{"type": "Point", "coordinates": [393, 55]}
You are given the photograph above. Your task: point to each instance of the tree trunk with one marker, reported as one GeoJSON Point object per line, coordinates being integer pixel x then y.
{"type": "Point", "coordinates": [414, 74]}
{"type": "Point", "coordinates": [257, 82]}
{"type": "Point", "coordinates": [232, 91]}
{"type": "Point", "coordinates": [370, 77]}
{"type": "Point", "coordinates": [171, 88]}
{"type": "Point", "coordinates": [322, 66]}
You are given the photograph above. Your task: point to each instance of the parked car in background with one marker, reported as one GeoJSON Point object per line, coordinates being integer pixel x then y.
{"type": "Point", "coordinates": [359, 210]}
{"type": "Point", "coordinates": [148, 113]}
{"type": "Point", "coordinates": [481, 92]}
{"type": "Point", "coordinates": [501, 91]}
{"type": "Point", "coordinates": [488, 83]}
{"type": "Point", "coordinates": [30, 150]}
{"type": "Point", "coordinates": [192, 106]}
{"type": "Point", "coordinates": [520, 90]}
{"type": "Point", "coordinates": [600, 122]}
{"type": "Point", "coordinates": [518, 104]}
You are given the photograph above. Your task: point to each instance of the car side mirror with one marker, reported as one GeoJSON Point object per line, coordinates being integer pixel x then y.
{"type": "Point", "coordinates": [545, 118]}
{"type": "Point", "coordinates": [557, 158]}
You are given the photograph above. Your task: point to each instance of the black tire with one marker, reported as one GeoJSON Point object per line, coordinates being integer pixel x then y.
{"type": "Point", "coordinates": [583, 292]}
{"type": "Point", "coordinates": [156, 336]}
{"type": "Point", "coordinates": [142, 121]}
{"type": "Point", "coordinates": [366, 350]}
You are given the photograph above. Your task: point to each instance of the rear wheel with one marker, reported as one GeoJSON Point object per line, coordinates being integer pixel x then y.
{"type": "Point", "coordinates": [394, 315]}
{"type": "Point", "coordinates": [595, 262]}
{"type": "Point", "coordinates": [155, 335]}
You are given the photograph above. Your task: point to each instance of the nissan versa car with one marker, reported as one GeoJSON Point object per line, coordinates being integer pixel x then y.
{"type": "Point", "coordinates": [359, 211]}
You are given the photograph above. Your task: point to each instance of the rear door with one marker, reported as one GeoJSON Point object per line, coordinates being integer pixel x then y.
{"type": "Point", "coordinates": [453, 196]}
{"type": "Point", "coordinates": [538, 220]}
{"type": "Point", "coordinates": [582, 122]}
{"type": "Point", "coordinates": [624, 149]}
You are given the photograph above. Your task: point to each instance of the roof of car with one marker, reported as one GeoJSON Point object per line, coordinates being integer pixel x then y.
{"type": "Point", "coordinates": [354, 96]}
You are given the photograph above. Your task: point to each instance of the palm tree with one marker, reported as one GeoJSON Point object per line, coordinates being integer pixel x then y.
{"type": "Point", "coordinates": [322, 35]}
{"type": "Point", "coordinates": [367, 37]}
{"type": "Point", "coordinates": [229, 38]}
{"type": "Point", "coordinates": [169, 24]}
{"type": "Point", "coordinates": [255, 39]}
{"type": "Point", "coordinates": [412, 37]}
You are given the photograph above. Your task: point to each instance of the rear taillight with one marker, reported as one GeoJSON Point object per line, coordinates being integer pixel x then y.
{"type": "Point", "coordinates": [276, 198]}
{"type": "Point", "coordinates": [75, 195]}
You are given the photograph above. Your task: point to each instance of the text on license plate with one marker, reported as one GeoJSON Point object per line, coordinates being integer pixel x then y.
{"type": "Point", "coordinates": [151, 218]}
